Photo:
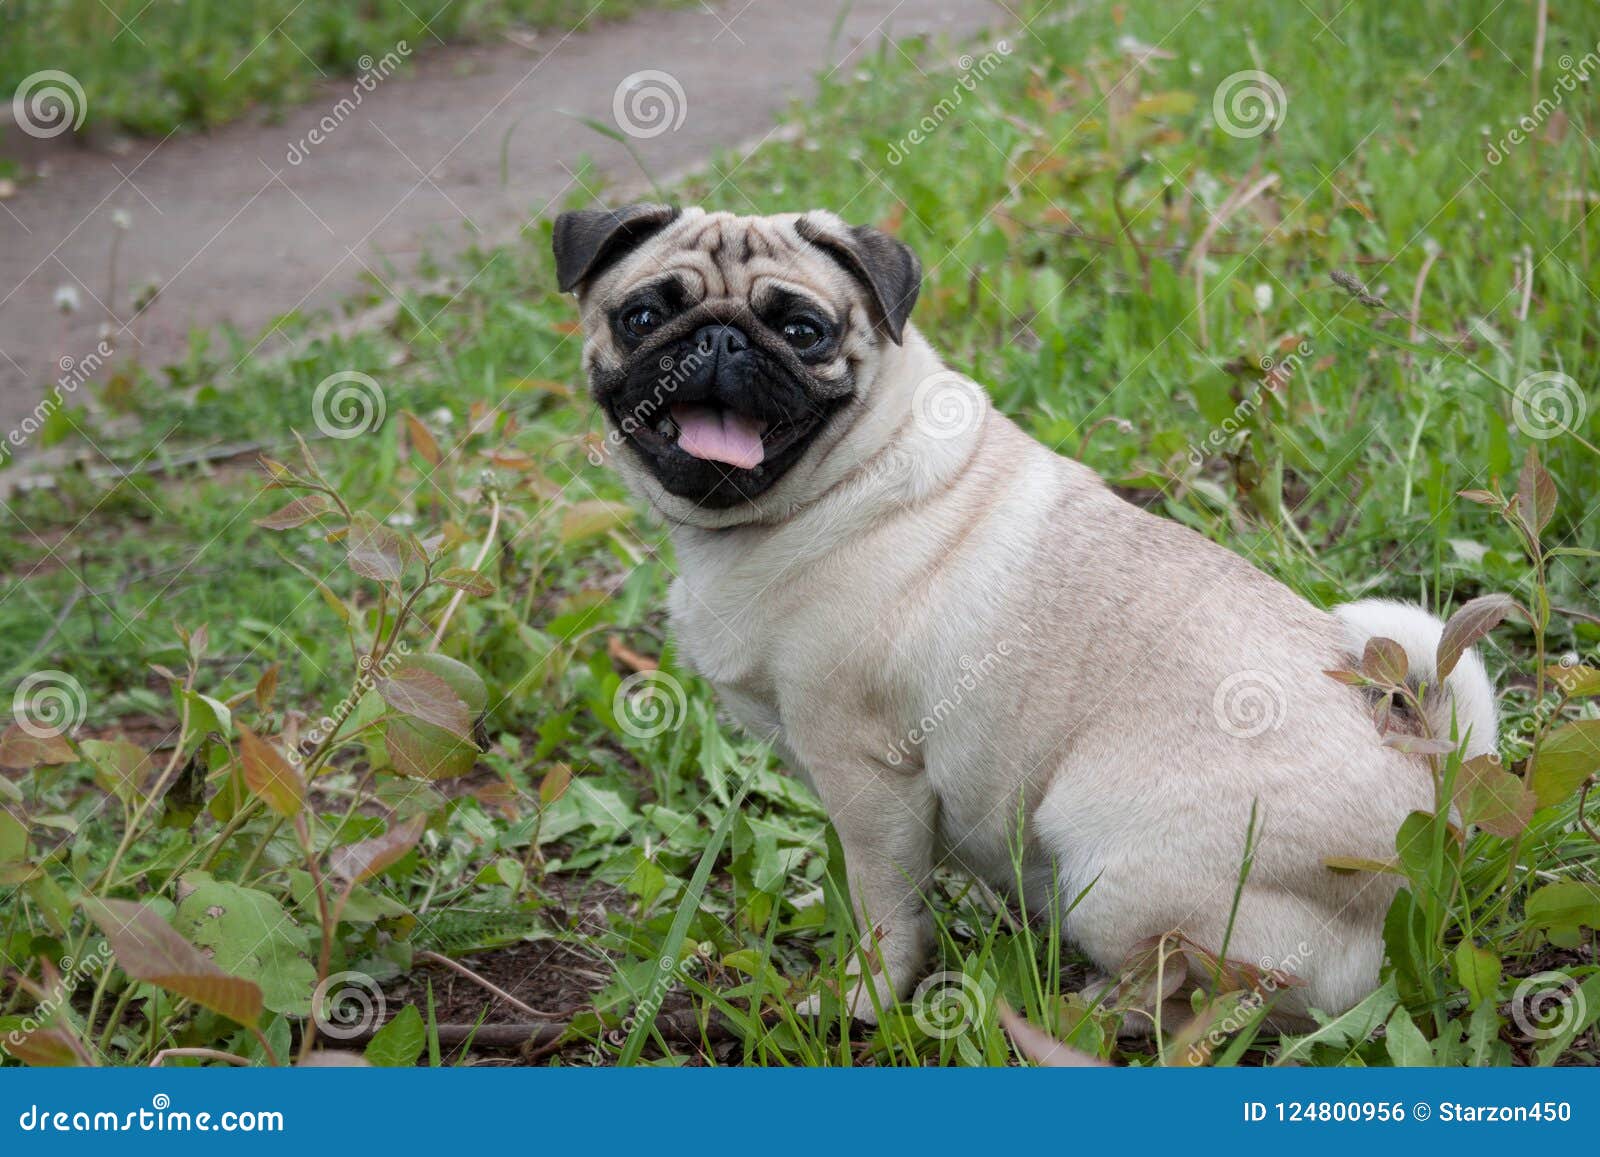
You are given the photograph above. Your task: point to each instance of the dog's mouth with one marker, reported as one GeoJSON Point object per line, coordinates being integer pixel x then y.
{"type": "Point", "coordinates": [719, 455]}
{"type": "Point", "coordinates": [716, 433]}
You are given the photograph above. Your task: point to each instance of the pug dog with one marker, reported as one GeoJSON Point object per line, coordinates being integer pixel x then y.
{"type": "Point", "coordinates": [974, 651]}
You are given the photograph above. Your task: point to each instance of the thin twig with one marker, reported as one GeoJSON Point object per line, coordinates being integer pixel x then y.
{"type": "Point", "coordinates": [203, 1054]}
{"type": "Point", "coordinates": [477, 563]}
{"type": "Point", "coordinates": [482, 982]}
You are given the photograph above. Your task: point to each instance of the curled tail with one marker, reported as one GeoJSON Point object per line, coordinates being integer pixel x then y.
{"type": "Point", "coordinates": [1468, 707]}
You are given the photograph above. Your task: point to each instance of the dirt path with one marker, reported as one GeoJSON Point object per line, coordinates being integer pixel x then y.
{"type": "Point", "coordinates": [253, 221]}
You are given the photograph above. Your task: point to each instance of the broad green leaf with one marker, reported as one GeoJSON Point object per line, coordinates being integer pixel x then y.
{"type": "Point", "coordinates": [1492, 798]}
{"type": "Point", "coordinates": [1478, 971]}
{"type": "Point", "coordinates": [1567, 757]}
{"type": "Point", "coordinates": [1577, 681]}
{"type": "Point", "coordinates": [1345, 1031]}
{"type": "Point", "coordinates": [149, 949]}
{"type": "Point", "coordinates": [120, 767]}
{"type": "Point", "coordinates": [1561, 909]}
{"type": "Point", "coordinates": [399, 1043]}
{"type": "Point", "coordinates": [246, 931]}
{"type": "Point", "coordinates": [1403, 1040]}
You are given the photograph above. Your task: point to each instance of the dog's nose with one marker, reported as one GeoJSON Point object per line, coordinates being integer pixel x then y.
{"type": "Point", "coordinates": [720, 341]}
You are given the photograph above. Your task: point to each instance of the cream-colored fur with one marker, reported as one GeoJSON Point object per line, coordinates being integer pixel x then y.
{"type": "Point", "coordinates": [948, 633]}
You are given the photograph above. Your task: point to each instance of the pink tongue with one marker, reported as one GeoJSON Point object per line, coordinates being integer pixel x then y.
{"type": "Point", "coordinates": [719, 435]}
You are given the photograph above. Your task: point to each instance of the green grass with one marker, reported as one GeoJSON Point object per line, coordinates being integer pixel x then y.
{"type": "Point", "coordinates": [155, 67]}
{"type": "Point", "coordinates": [1057, 208]}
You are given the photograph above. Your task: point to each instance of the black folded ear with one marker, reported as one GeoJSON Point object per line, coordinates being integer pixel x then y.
{"type": "Point", "coordinates": [588, 240]}
{"type": "Point", "coordinates": [887, 268]}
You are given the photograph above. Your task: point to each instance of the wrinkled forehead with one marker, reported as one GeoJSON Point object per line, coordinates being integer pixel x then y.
{"type": "Point", "coordinates": [718, 256]}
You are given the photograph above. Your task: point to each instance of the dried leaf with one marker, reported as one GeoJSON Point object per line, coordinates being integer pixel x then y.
{"type": "Point", "coordinates": [422, 439]}
{"type": "Point", "coordinates": [1040, 1047]}
{"type": "Point", "coordinates": [629, 659]}
{"type": "Point", "coordinates": [20, 750]}
{"type": "Point", "coordinates": [555, 783]}
{"type": "Point", "coordinates": [1419, 744]}
{"type": "Point", "coordinates": [269, 775]}
{"type": "Point", "coordinates": [149, 949]}
{"type": "Point", "coordinates": [1361, 864]}
{"type": "Point", "coordinates": [266, 688]}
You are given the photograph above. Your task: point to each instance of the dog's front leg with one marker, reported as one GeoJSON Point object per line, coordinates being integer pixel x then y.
{"type": "Point", "coordinates": [886, 820]}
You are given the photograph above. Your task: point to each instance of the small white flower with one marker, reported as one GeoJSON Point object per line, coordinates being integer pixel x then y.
{"type": "Point", "coordinates": [402, 519]}
{"type": "Point", "coordinates": [442, 417]}
{"type": "Point", "coordinates": [120, 219]}
{"type": "Point", "coordinates": [67, 300]}
{"type": "Point", "coordinates": [1263, 296]}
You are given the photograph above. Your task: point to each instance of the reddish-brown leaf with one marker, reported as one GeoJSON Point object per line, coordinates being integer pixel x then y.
{"type": "Point", "coordinates": [422, 439]}
{"type": "Point", "coordinates": [43, 1048]}
{"type": "Point", "coordinates": [375, 551]}
{"type": "Point", "coordinates": [1384, 661]}
{"type": "Point", "coordinates": [150, 949]}
{"type": "Point", "coordinates": [20, 750]}
{"type": "Point", "coordinates": [1536, 494]}
{"type": "Point", "coordinates": [364, 860]}
{"type": "Point", "coordinates": [1470, 623]}
{"type": "Point", "coordinates": [297, 513]}
{"type": "Point", "coordinates": [1040, 1047]}
{"type": "Point", "coordinates": [1569, 755]}
{"type": "Point", "coordinates": [1491, 797]}
{"type": "Point", "coordinates": [424, 695]}
{"type": "Point", "coordinates": [269, 775]}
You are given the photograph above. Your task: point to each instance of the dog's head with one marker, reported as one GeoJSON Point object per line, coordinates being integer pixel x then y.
{"type": "Point", "coordinates": [729, 353]}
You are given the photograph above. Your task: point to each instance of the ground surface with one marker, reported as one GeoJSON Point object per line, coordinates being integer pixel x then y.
{"type": "Point", "coordinates": [472, 143]}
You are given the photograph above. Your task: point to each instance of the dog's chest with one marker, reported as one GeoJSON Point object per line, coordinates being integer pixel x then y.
{"type": "Point", "coordinates": [726, 632]}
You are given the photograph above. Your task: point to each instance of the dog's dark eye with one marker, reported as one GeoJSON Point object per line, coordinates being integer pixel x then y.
{"type": "Point", "coordinates": [802, 333]}
{"type": "Point", "coordinates": [643, 321]}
